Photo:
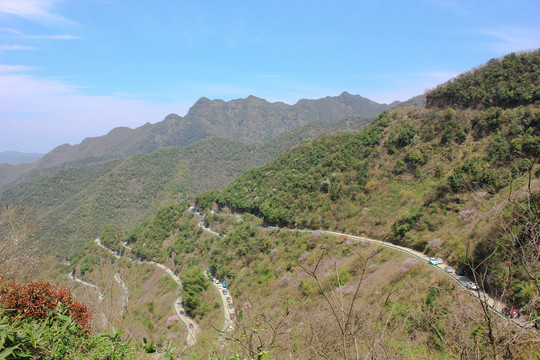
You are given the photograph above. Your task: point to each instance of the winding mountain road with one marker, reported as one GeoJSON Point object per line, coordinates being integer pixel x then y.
{"type": "Point", "coordinates": [228, 306]}
{"type": "Point", "coordinates": [72, 276]}
{"type": "Point", "coordinates": [191, 326]}
{"type": "Point", "coordinates": [493, 304]}
{"type": "Point", "coordinates": [121, 282]}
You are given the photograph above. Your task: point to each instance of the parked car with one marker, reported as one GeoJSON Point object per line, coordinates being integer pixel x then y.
{"type": "Point", "coordinates": [472, 286]}
{"type": "Point", "coordinates": [224, 292]}
{"type": "Point", "coordinates": [433, 261]}
{"type": "Point", "coordinates": [219, 286]}
{"type": "Point", "coordinates": [229, 300]}
{"type": "Point", "coordinates": [449, 269]}
{"type": "Point", "coordinates": [231, 306]}
{"type": "Point", "coordinates": [439, 260]}
{"type": "Point", "coordinates": [224, 285]}
{"type": "Point", "coordinates": [460, 272]}
{"type": "Point", "coordinates": [181, 312]}
{"type": "Point", "coordinates": [511, 312]}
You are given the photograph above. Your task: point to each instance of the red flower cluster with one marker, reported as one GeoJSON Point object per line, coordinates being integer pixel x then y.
{"type": "Point", "coordinates": [37, 299]}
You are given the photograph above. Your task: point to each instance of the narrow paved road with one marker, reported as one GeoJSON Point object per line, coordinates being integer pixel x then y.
{"type": "Point", "coordinates": [72, 276]}
{"type": "Point", "coordinates": [121, 282]}
{"type": "Point", "coordinates": [191, 326]}
{"type": "Point", "coordinates": [228, 306]}
{"type": "Point", "coordinates": [493, 304]}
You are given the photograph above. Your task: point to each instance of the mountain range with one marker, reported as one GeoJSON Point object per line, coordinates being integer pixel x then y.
{"type": "Point", "coordinates": [75, 202]}
{"type": "Point", "coordinates": [248, 120]}
{"type": "Point", "coordinates": [458, 179]}
{"type": "Point", "coordinates": [455, 182]}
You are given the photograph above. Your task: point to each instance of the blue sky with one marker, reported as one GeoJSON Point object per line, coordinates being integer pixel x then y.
{"type": "Point", "coordinates": [78, 68]}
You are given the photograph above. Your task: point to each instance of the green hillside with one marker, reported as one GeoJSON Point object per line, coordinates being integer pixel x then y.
{"type": "Point", "coordinates": [73, 205]}
{"type": "Point", "coordinates": [506, 82]}
{"type": "Point", "coordinates": [459, 184]}
{"type": "Point", "coordinates": [250, 120]}
{"type": "Point", "coordinates": [447, 182]}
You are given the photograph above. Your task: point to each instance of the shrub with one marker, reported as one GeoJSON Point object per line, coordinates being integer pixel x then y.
{"type": "Point", "coordinates": [37, 300]}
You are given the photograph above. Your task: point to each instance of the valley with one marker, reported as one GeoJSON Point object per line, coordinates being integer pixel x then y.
{"type": "Point", "coordinates": [410, 234]}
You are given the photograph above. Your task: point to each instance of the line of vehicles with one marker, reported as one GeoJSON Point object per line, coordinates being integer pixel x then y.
{"type": "Point", "coordinates": [507, 311]}
{"type": "Point", "coordinates": [223, 287]}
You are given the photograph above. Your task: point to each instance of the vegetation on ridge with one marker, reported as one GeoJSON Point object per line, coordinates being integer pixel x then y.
{"type": "Point", "coordinates": [427, 179]}
{"type": "Point", "coordinates": [510, 81]}
{"type": "Point", "coordinates": [76, 203]}
{"type": "Point", "coordinates": [458, 184]}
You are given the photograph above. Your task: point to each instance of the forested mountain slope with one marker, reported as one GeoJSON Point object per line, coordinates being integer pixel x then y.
{"type": "Point", "coordinates": [459, 184]}
{"type": "Point", "coordinates": [506, 82]}
{"type": "Point", "coordinates": [73, 204]}
{"type": "Point", "coordinates": [428, 179]}
{"type": "Point", "coordinates": [249, 120]}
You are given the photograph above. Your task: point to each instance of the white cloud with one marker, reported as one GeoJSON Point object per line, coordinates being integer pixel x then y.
{"type": "Point", "coordinates": [41, 11]}
{"type": "Point", "coordinates": [505, 39]}
{"type": "Point", "coordinates": [38, 114]}
{"type": "Point", "coordinates": [14, 68]}
{"type": "Point", "coordinates": [19, 35]}
{"type": "Point", "coordinates": [16, 47]}
{"type": "Point", "coordinates": [52, 37]}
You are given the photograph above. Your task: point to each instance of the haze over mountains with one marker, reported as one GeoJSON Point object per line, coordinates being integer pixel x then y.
{"type": "Point", "coordinates": [17, 157]}
{"type": "Point", "coordinates": [248, 120]}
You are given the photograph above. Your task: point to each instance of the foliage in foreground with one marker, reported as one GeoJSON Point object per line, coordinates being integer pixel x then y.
{"type": "Point", "coordinates": [40, 320]}
{"type": "Point", "coordinates": [36, 300]}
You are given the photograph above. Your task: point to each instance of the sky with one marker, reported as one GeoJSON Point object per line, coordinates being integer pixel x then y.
{"type": "Point", "coordinates": [71, 69]}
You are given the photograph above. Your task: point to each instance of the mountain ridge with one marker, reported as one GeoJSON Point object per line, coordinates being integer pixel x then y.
{"type": "Point", "coordinates": [249, 120]}
{"type": "Point", "coordinates": [124, 190]}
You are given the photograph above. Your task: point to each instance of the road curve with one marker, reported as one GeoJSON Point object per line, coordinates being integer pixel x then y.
{"type": "Point", "coordinates": [72, 276]}
{"type": "Point", "coordinates": [228, 320]}
{"type": "Point", "coordinates": [228, 312]}
{"type": "Point", "coordinates": [191, 326]}
{"type": "Point", "coordinates": [493, 304]}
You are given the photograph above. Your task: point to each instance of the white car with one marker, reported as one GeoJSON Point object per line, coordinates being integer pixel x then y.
{"type": "Point", "coordinates": [472, 286]}
{"type": "Point", "coordinates": [439, 260]}
{"type": "Point", "coordinates": [219, 286]}
{"type": "Point", "coordinates": [433, 261]}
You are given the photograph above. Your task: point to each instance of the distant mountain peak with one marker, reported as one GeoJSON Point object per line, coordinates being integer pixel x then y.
{"type": "Point", "coordinates": [249, 120]}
